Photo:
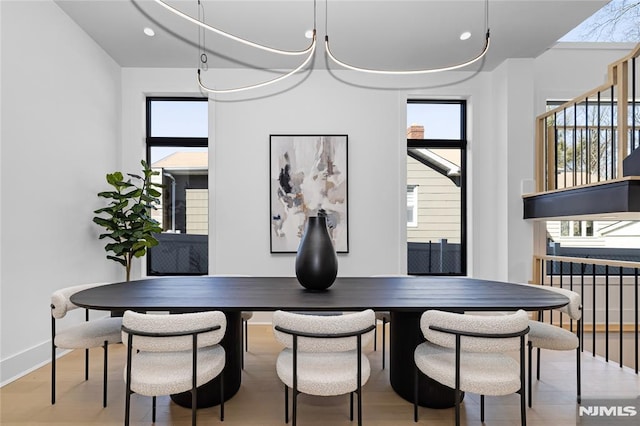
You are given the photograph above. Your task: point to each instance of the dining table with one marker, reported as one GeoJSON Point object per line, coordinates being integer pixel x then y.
{"type": "Point", "coordinates": [405, 297]}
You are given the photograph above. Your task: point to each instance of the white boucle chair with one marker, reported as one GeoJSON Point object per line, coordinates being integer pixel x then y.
{"type": "Point", "coordinates": [468, 353]}
{"type": "Point", "coordinates": [168, 354]}
{"type": "Point", "coordinates": [86, 335]}
{"type": "Point", "coordinates": [548, 336]}
{"type": "Point", "coordinates": [323, 355]}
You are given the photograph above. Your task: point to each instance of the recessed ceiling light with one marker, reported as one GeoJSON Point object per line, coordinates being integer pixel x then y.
{"type": "Point", "coordinates": [309, 34]}
{"type": "Point", "coordinates": [465, 35]}
{"type": "Point", "coordinates": [148, 31]}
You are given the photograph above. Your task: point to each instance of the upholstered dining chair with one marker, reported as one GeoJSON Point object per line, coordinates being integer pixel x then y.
{"type": "Point", "coordinates": [85, 335]}
{"type": "Point", "coordinates": [544, 335]}
{"type": "Point", "coordinates": [469, 353]}
{"type": "Point", "coordinates": [323, 355]}
{"type": "Point", "coordinates": [169, 354]}
{"type": "Point", "coordinates": [244, 315]}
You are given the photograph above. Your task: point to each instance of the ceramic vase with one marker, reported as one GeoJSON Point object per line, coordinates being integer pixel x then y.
{"type": "Point", "coordinates": [316, 260]}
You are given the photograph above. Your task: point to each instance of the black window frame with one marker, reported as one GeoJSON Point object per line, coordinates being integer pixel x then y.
{"type": "Point", "coordinates": [172, 141]}
{"type": "Point", "coordinates": [460, 144]}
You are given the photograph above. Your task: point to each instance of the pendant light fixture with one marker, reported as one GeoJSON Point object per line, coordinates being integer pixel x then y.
{"type": "Point", "coordinates": [344, 64]}
{"type": "Point", "coordinates": [309, 51]}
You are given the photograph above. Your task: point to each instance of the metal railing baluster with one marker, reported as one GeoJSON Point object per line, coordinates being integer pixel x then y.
{"type": "Point", "coordinates": [606, 312]}
{"type": "Point", "coordinates": [621, 309]}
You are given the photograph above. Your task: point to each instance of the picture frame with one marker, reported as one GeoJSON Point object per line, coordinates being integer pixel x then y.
{"type": "Point", "coordinates": [307, 173]}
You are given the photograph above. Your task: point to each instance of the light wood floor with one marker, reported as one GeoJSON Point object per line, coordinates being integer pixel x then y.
{"type": "Point", "coordinates": [260, 398]}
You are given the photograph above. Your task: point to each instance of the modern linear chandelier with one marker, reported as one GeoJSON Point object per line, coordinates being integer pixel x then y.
{"type": "Point", "coordinates": [309, 51]}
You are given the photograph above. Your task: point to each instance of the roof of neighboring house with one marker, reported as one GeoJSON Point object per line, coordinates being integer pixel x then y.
{"type": "Point", "coordinates": [437, 163]}
{"type": "Point", "coordinates": [615, 228]}
{"type": "Point", "coordinates": [184, 160]}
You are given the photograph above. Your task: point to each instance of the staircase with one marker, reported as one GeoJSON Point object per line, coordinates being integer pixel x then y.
{"type": "Point", "coordinates": [587, 156]}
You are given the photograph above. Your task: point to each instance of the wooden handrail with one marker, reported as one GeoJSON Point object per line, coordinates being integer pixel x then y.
{"type": "Point", "coordinates": [589, 260]}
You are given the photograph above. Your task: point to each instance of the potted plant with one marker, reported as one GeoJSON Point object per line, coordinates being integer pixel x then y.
{"type": "Point", "coordinates": [127, 218]}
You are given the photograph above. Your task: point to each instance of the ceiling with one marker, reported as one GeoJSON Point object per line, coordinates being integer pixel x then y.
{"type": "Point", "coordinates": [398, 34]}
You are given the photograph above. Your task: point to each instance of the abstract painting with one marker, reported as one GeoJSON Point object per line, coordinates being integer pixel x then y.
{"type": "Point", "coordinates": [308, 173]}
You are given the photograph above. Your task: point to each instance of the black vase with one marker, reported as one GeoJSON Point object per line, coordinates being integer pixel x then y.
{"type": "Point", "coordinates": [316, 261]}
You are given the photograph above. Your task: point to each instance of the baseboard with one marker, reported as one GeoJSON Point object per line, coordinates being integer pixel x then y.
{"type": "Point", "coordinates": [23, 363]}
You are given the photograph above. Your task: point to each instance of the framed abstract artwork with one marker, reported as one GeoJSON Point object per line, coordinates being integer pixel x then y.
{"type": "Point", "coordinates": [307, 173]}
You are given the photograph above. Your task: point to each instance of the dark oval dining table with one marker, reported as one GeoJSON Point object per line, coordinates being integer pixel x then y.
{"type": "Point", "coordinates": [406, 298]}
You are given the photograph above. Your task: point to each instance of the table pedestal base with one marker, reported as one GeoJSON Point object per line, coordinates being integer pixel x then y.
{"type": "Point", "coordinates": [209, 393]}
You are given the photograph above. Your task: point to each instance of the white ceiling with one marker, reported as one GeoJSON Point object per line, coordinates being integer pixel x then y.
{"type": "Point", "coordinates": [400, 34]}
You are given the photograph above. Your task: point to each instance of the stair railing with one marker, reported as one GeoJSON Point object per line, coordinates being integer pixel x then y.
{"type": "Point", "coordinates": [585, 140]}
{"type": "Point", "coordinates": [609, 292]}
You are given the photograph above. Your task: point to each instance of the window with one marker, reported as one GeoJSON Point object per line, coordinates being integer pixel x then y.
{"type": "Point", "coordinates": [617, 21]}
{"type": "Point", "coordinates": [412, 205]}
{"type": "Point", "coordinates": [576, 228]}
{"type": "Point", "coordinates": [177, 148]}
{"type": "Point", "coordinates": [436, 195]}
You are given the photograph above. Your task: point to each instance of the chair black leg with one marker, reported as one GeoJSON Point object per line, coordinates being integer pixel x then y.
{"type": "Point", "coordinates": [104, 374]}
{"type": "Point", "coordinates": [523, 408]}
{"type": "Point", "coordinates": [457, 408]}
{"type": "Point", "coordinates": [415, 395]}
{"type": "Point", "coordinates": [127, 406]}
{"type": "Point", "coordinates": [86, 364]}
{"type": "Point", "coordinates": [523, 379]}
{"type": "Point", "coordinates": [153, 409]}
{"type": "Point", "coordinates": [294, 413]}
{"type": "Point", "coordinates": [351, 406]}
{"type": "Point", "coordinates": [222, 396]}
{"type": "Point", "coordinates": [53, 373]}
{"type": "Point", "coordinates": [244, 343]}
{"type": "Point", "coordinates": [246, 336]}
{"type": "Point", "coordinates": [194, 405]}
{"type": "Point", "coordinates": [384, 344]}
{"type": "Point", "coordinates": [375, 338]}
{"type": "Point", "coordinates": [482, 408]}
{"type": "Point", "coordinates": [530, 349]}
{"type": "Point", "coordinates": [360, 407]}
{"type": "Point", "coordinates": [286, 404]}
{"type": "Point", "coordinates": [538, 364]}
{"type": "Point", "coordinates": [578, 384]}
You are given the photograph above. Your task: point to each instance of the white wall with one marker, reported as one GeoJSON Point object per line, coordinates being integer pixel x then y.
{"type": "Point", "coordinates": [514, 104]}
{"type": "Point", "coordinates": [322, 102]}
{"type": "Point", "coordinates": [321, 105]}
{"type": "Point", "coordinates": [60, 131]}
{"type": "Point", "coordinates": [571, 69]}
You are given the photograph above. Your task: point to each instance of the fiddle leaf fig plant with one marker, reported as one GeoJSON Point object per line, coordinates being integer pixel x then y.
{"type": "Point", "coordinates": [127, 219]}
